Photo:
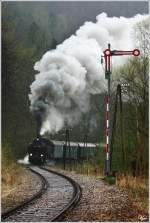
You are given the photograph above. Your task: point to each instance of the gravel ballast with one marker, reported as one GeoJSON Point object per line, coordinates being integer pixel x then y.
{"type": "Point", "coordinates": [30, 184]}
{"type": "Point", "coordinates": [99, 202]}
{"type": "Point", "coordinates": [102, 202]}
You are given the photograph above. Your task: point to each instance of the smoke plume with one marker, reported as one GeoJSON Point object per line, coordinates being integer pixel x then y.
{"type": "Point", "coordinates": [25, 160]}
{"type": "Point", "coordinates": [72, 72]}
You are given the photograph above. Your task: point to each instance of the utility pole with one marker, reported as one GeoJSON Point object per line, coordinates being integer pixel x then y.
{"type": "Point", "coordinates": [122, 127]}
{"type": "Point", "coordinates": [67, 144]}
{"type": "Point", "coordinates": [86, 150]}
{"type": "Point", "coordinates": [85, 143]}
{"type": "Point", "coordinates": [64, 156]}
{"type": "Point", "coordinates": [108, 53]}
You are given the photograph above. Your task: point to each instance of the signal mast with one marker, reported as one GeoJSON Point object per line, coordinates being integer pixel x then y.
{"type": "Point", "coordinates": [108, 53]}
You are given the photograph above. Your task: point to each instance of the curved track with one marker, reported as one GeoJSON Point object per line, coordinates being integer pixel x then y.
{"type": "Point", "coordinates": [58, 194]}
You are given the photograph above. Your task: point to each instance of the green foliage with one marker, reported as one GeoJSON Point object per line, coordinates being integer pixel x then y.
{"type": "Point", "coordinates": [17, 74]}
{"type": "Point", "coordinates": [110, 180]}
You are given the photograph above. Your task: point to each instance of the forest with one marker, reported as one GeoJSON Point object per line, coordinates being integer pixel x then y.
{"type": "Point", "coordinates": [27, 33]}
{"type": "Point", "coordinates": [24, 40]}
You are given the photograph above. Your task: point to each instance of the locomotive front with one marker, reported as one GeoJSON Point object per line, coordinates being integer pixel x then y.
{"type": "Point", "coordinates": [37, 151]}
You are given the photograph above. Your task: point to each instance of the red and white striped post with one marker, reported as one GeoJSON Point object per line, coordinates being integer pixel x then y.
{"type": "Point", "coordinates": [107, 55]}
{"type": "Point", "coordinates": [107, 127]}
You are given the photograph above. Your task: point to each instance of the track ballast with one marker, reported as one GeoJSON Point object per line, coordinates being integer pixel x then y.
{"type": "Point", "coordinates": [58, 195]}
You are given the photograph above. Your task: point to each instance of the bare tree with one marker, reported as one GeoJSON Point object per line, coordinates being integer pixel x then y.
{"type": "Point", "coordinates": [135, 73]}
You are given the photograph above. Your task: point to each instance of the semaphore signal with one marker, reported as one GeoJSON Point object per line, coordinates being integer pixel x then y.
{"type": "Point", "coordinates": [108, 53]}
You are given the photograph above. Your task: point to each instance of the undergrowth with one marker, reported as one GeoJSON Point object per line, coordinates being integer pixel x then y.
{"type": "Point", "coordinates": [137, 187]}
{"type": "Point", "coordinates": [86, 168]}
{"type": "Point", "coordinates": [10, 172]}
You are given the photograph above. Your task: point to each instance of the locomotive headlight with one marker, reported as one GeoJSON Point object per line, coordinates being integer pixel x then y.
{"type": "Point", "coordinates": [42, 155]}
{"type": "Point", "coordinates": [30, 154]}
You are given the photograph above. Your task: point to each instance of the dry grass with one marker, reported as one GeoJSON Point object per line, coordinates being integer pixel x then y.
{"type": "Point", "coordinates": [11, 173]}
{"type": "Point", "coordinates": [88, 168]}
{"type": "Point", "coordinates": [137, 188]}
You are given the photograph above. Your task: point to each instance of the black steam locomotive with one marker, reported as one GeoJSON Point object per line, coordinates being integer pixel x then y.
{"type": "Point", "coordinates": [41, 148]}
{"type": "Point", "coordinates": [38, 150]}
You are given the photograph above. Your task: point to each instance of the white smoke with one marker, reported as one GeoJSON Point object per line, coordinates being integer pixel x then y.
{"type": "Point", "coordinates": [25, 160]}
{"type": "Point", "coordinates": [72, 72]}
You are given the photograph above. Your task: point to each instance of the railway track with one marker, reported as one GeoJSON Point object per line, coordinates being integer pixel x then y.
{"type": "Point", "coordinates": [58, 194]}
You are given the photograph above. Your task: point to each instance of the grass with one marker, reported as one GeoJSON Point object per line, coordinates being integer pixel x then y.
{"type": "Point", "coordinates": [11, 172]}
{"type": "Point", "coordinates": [137, 188]}
{"type": "Point", "coordinates": [86, 168]}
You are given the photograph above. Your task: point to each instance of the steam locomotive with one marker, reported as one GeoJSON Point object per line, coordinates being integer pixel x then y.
{"type": "Point", "coordinates": [38, 150]}
{"type": "Point", "coordinates": [41, 148]}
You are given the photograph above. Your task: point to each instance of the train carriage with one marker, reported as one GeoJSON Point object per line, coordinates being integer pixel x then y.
{"type": "Point", "coordinates": [42, 149]}
{"type": "Point", "coordinates": [77, 150]}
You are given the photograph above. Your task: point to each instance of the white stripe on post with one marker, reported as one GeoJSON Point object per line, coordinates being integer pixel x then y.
{"type": "Point", "coordinates": [107, 139]}
{"type": "Point", "coordinates": [107, 123]}
{"type": "Point", "coordinates": [107, 107]}
{"type": "Point", "coordinates": [107, 129]}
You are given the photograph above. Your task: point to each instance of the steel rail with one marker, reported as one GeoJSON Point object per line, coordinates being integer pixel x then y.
{"type": "Point", "coordinates": [77, 193]}
{"type": "Point", "coordinates": [29, 200]}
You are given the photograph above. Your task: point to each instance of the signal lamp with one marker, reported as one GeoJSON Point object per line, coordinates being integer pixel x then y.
{"type": "Point", "coordinates": [136, 52]}
{"type": "Point", "coordinates": [107, 52]}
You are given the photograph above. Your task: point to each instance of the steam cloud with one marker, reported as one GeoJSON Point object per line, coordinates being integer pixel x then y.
{"type": "Point", "coordinates": [25, 160]}
{"type": "Point", "coordinates": [72, 72]}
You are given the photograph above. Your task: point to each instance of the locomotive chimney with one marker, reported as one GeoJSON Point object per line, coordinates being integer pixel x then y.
{"type": "Point", "coordinates": [39, 113]}
{"type": "Point", "coordinates": [38, 117]}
